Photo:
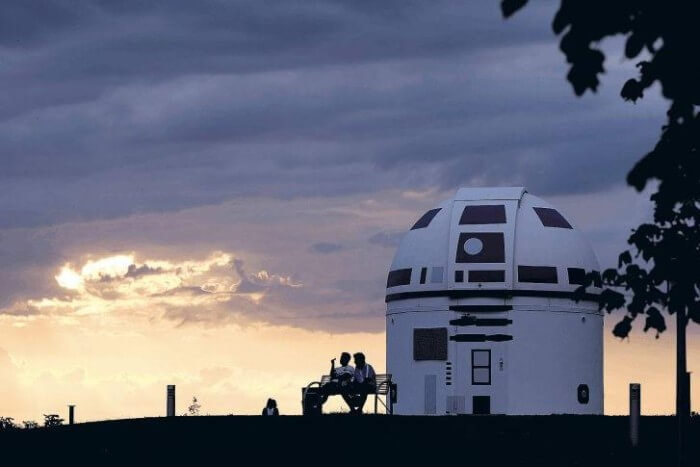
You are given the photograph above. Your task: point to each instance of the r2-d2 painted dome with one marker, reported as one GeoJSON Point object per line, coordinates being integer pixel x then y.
{"type": "Point", "coordinates": [481, 316]}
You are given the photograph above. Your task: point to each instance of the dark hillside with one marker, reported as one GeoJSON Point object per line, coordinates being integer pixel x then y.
{"type": "Point", "coordinates": [341, 439]}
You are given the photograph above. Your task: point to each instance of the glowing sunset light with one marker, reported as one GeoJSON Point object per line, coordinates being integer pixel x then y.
{"type": "Point", "coordinates": [111, 266]}
{"type": "Point", "coordinates": [68, 278]}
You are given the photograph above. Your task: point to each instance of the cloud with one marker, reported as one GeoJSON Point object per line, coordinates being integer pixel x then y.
{"type": "Point", "coordinates": [325, 248]}
{"type": "Point", "coordinates": [274, 250]}
{"type": "Point", "coordinates": [118, 284]}
{"type": "Point", "coordinates": [136, 271]}
{"type": "Point", "coordinates": [385, 239]}
{"type": "Point", "coordinates": [110, 112]}
{"type": "Point", "coordinates": [261, 281]}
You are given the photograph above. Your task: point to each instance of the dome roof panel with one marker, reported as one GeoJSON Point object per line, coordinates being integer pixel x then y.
{"type": "Point", "coordinates": [523, 250]}
{"type": "Point", "coordinates": [489, 193]}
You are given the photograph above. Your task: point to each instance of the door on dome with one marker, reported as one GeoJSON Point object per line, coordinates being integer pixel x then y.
{"type": "Point", "coordinates": [476, 377]}
{"type": "Point", "coordinates": [481, 380]}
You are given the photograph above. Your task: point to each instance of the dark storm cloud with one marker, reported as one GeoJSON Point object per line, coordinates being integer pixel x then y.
{"type": "Point", "coordinates": [115, 108]}
{"type": "Point", "coordinates": [24, 253]}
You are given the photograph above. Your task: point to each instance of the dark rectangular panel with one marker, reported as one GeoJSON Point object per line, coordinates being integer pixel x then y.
{"type": "Point", "coordinates": [481, 405]}
{"type": "Point", "coordinates": [469, 320]}
{"type": "Point", "coordinates": [425, 219]}
{"type": "Point", "coordinates": [487, 276]}
{"type": "Point", "coordinates": [455, 294]}
{"type": "Point", "coordinates": [481, 338]}
{"type": "Point", "coordinates": [551, 218]}
{"type": "Point", "coordinates": [481, 247]}
{"type": "Point", "coordinates": [537, 274]}
{"type": "Point", "coordinates": [459, 276]}
{"type": "Point", "coordinates": [430, 344]}
{"type": "Point", "coordinates": [483, 214]}
{"type": "Point", "coordinates": [466, 320]}
{"type": "Point", "coordinates": [423, 272]}
{"type": "Point", "coordinates": [577, 276]}
{"type": "Point", "coordinates": [399, 277]}
{"type": "Point", "coordinates": [480, 308]}
{"type": "Point", "coordinates": [468, 338]}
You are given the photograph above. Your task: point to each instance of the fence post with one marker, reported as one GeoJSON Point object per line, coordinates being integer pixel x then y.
{"type": "Point", "coordinates": [635, 409]}
{"type": "Point", "coordinates": [170, 409]}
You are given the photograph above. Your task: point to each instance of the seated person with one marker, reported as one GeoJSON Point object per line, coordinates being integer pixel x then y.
{"type": "Point", "coordinates": [341, 378]}
{"type": "Point", "coordinates": [270, 408]}
{"type": "Point", "coordinates": [364, 383]}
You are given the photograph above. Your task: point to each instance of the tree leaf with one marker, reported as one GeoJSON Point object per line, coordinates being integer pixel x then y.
{"type": "Point", "coordinates": [632, 90]}
{"type": "Point", "coordinates": [623, 328]}
{"type": "Point", "coordinates": [561, 20]}
{"type": "Point", "coordinates": [655, 320]}
{"type": "Point", "coordinates": [624, 258]}
{"type": "Point", "coordinates": [611, 300]}
{"type": "Point", "coordinates": [634, 45]}
{"type": "Point", "coordinates": [611, 277]}
{"type": "Point", "coordinates": [508, 7]}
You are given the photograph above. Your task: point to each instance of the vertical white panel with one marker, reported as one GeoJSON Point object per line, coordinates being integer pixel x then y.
{"type": "Point", "coordinates": [430, 396]}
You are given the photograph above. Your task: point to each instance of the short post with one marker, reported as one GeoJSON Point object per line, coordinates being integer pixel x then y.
{"type": "Point", "coordinates": [635, 409]}
{"type": "Point", "coordinates": [71, 414]}
{"type": "Point", "coordinates": [171, 400]}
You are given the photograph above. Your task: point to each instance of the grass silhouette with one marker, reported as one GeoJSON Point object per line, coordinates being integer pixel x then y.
{"type": "Point", "coordinates": [488, 440]}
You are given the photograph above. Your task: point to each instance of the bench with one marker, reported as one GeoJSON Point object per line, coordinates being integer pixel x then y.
{"type": "Point", "coordinates": [385, 387]}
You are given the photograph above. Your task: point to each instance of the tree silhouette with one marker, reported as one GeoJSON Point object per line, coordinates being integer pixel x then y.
{"type": "Point", "coordinates": [7, 423]}
{"type": "Point", "coordinates": [660, 268]}
{"type": "Point", "coordinates": [194, 408]}
{"type": "Point", "coordinates": [52, 420]}
{"type": "Point", "coordinates": [30, 424]}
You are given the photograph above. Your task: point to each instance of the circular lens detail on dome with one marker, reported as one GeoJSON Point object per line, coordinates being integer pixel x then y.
{"type": "Point", "coordinates": [473, 246]}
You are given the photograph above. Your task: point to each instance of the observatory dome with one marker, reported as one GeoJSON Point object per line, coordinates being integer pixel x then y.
{"type": "Point", "coordinates": [482, 315]}
{"type": "Point", "coordinates": [502, 240]}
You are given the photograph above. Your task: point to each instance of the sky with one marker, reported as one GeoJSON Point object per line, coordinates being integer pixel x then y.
{"type": "Point", "coordinates": [209, 194]}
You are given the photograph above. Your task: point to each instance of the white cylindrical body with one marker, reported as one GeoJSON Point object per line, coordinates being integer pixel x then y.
{"type": "Point", "coordinates": [481, 316]}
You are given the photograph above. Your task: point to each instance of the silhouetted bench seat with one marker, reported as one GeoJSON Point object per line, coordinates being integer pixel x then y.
{"type": "Point", "coordinates": [385, 387]}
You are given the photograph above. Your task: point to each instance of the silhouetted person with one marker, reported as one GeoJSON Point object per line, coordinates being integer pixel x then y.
{"type": "Point", "coordinates": [364, 383]}
{"type": "Point", "coordinates": [271, 408]}
{"type": "Point", "coordinates": [341, 378]}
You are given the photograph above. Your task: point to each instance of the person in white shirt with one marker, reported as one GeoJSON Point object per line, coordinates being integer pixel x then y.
{"type": "Point", "coordinates": [364, 383]}
{"type": "Point", "coordinates": [341, 378]}
{"type": "Point", "coordinates": [344, 373]}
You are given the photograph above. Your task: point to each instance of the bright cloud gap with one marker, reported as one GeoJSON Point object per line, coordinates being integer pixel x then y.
{"type": "Point", "coordinates": [208, 289]}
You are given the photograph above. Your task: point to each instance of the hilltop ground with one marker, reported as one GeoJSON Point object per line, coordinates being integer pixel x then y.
{"type": "Point", "coordinates": [463, 440]}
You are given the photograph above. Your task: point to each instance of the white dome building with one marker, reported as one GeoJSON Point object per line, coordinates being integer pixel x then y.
{"type": "Point", "coordinates": [480, 310]}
